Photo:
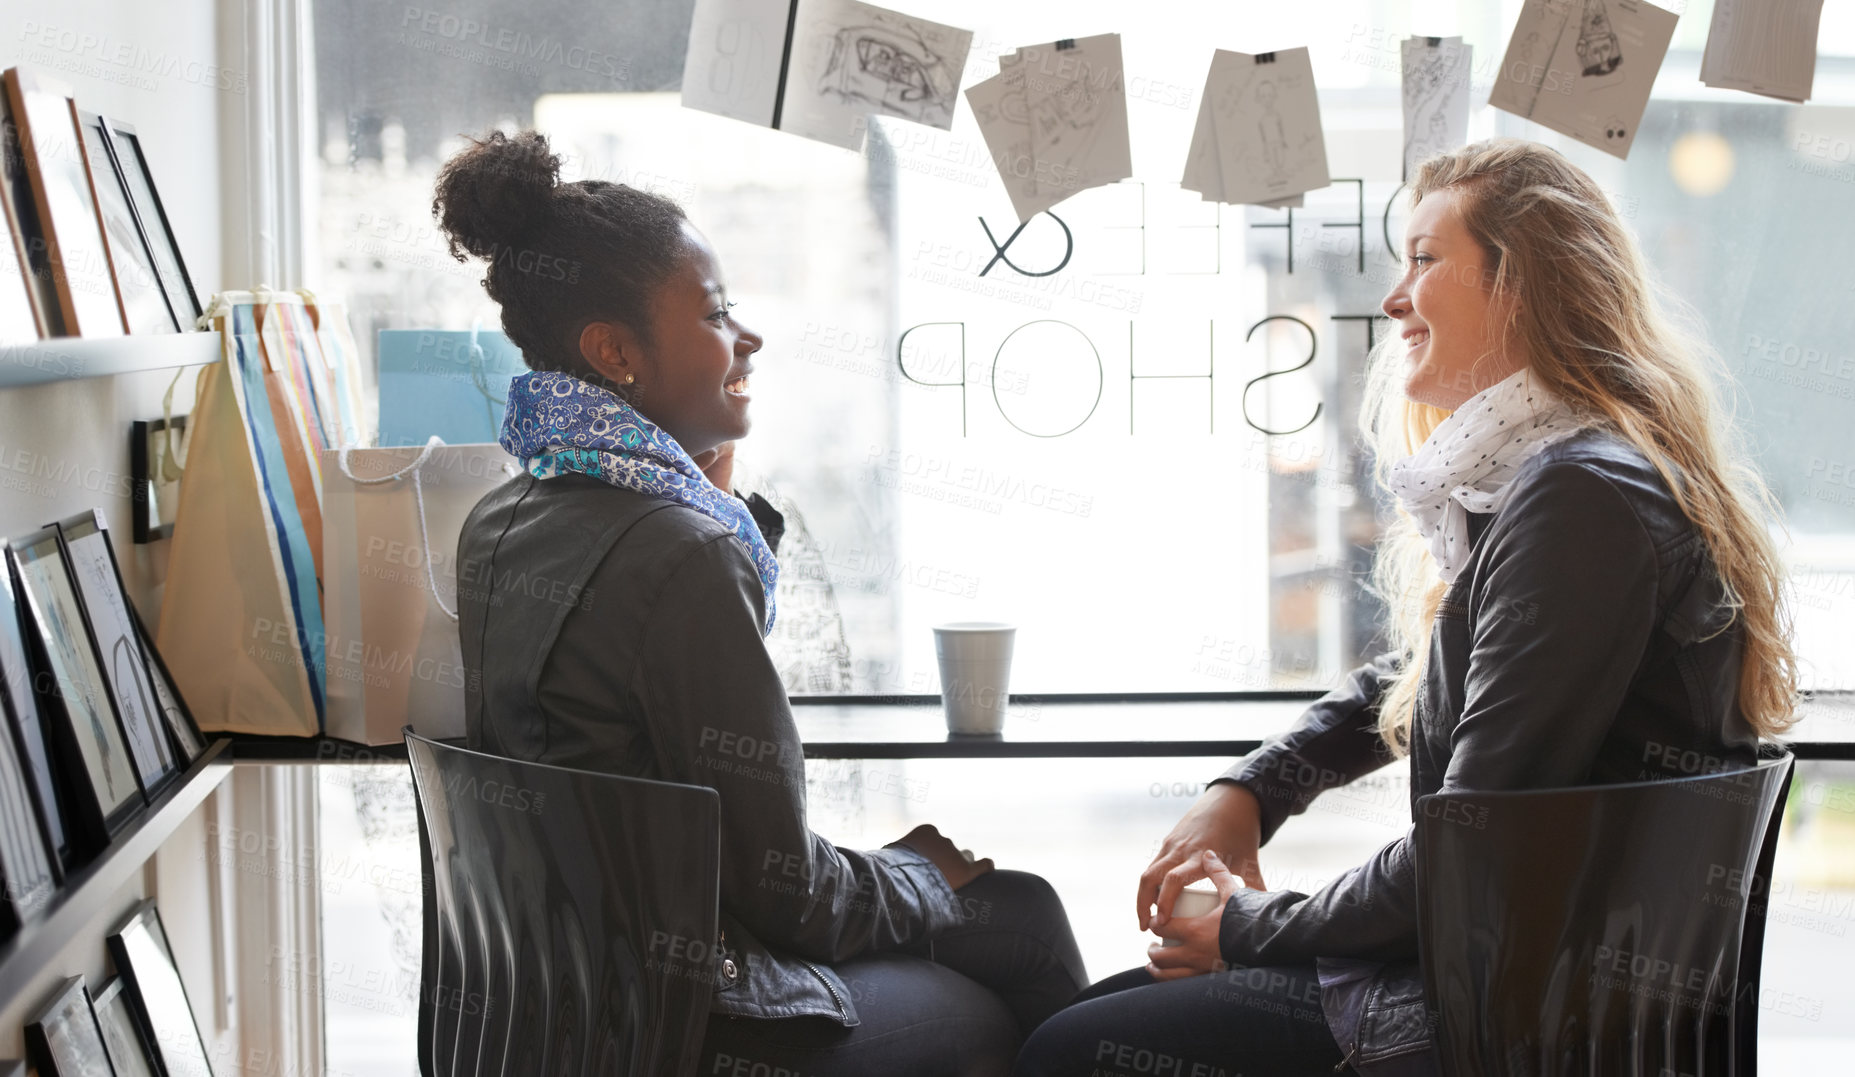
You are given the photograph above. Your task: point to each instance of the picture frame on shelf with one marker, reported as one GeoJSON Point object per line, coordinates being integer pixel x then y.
{"type": "Point", "coordinates": [139, 179]}
{"type": "Point", "coordinates": [69, 224]}
{"type": "Point", "coordinates": [100, 591]}
{"type": "Point", "coordinates": [139, 947]}
{"type": "Point", "coordinates": [174, 710]}
{"type": "Point", "coordinates": [87, 735]}
{"type": "Point", "coordinates": [122, 1031]}
{"type": "Point", "coordinates": [144, 302]}
{"type": "Point", "coordinates": [157, 450]}
{"type": "Point", "coordinates": [28, 867]}
{"type": "Point", "coordinates": [64, 1040]}
{"type": "Point", "coordinates": [22, 223]}
{"type": "Point", "coordinates": [26, 727]}
{"type": "Point", "coordinates": [19, 323]}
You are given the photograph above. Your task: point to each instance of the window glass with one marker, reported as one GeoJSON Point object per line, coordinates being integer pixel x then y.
{"type": "Point", "coordinates": [1146, 458]}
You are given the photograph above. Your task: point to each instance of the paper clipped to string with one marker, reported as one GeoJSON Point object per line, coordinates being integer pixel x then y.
{"type": "Point", "coordinates": [1436, 97]}
{"type": "Point", "coordinates": [1054, 120]}
{"type": "Point", "coordinates": [1763, 46]}
{"type": "Point", "coordinates": [1258, 137]}
{"type": "Point", "coordinates": [821, 68]}
{"type": "Point", "coordinates": [1584, 68]}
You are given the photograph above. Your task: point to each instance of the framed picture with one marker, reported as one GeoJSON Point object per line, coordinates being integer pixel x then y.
{"type": "Point", "coordinates": [21, 219]}
{"type": "Point", "coordinates": [25, 725]}
{"type": "Point", "coordinates": [64, 1040]}
{"type": "Point", "coordinates": [18, 323]}
{"type": "Point", "coordinates": [122, 1034]}
{"type": "Point", "coordinates": [28, 870]}
{"type": "Point", "coordinates": [174, 712]}
{"type": "Point", "coordinates": [157, 448]}
{"type": "Point", "coordinates": [85, 729]}
{"type": "Point", "coordinates": [140, 180]}
{"type": "Point", "coordinates": [140, 949]}
{"type": "Point", "coordinates": [125, 666]}
{"type": "Point", "coordinates": [68, 221]}
{"type": "Point", "coordinates": [138, 289]}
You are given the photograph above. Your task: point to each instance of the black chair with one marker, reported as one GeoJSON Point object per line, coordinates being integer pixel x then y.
{"type": "Point", "coordinates": [570, 918]}
{"type": "Point", "coordinates": [1613, 929]}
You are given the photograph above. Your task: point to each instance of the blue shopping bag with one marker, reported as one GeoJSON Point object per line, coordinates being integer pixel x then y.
{"type": "Point", "coordinates": [450, 382]}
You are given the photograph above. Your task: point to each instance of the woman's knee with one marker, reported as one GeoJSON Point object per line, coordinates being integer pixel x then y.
{"type": "Point", "coordinates": [1061, 1046]}
{"type": "Point", "coordinates": [1019, 890]}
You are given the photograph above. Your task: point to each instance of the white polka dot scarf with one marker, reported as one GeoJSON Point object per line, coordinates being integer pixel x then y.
{"type": "Point", "coordinates": [1469, 460]}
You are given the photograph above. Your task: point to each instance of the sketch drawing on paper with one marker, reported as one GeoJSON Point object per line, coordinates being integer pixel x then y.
{"type": "Point", "coordinates": [1597, 82]}
{"type": "Point", "coordinates": [1523, 72]}
{"type": "Point", "coordinates": [1272, 136]}
{"type": "Point", "coordinates": [734, 61]}
{"type": "Point", "coordinates": [1065, 125]}
{"type": "Point", "coordinates": [1004, 122]}
{"type": "Point", "coordinates": [893, 70]}
{"type": "Point", "coordinates": [851, 61]}
{"type": "Point", "coordinates": [1435, 98]}
{"type": "Point", "coordinates": [1599, 53]}
{"type": "Point", "coordinates": [1275, 145]}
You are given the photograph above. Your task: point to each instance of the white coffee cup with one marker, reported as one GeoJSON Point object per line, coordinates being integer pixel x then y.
{"type": "Point", "coordinates": [975, 674]}
{"type": "Point", "coordinates": [1192, 901]}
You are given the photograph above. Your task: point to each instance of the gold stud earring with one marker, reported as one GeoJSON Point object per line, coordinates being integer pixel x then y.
{"type": "Point", "coordinates": [629, 378]}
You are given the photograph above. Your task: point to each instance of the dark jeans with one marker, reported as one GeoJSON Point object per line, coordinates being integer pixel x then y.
{"type": "Point", "coordinates": [958, 1005]}
{"type": "Point", "coordinates": [1236, 1022]}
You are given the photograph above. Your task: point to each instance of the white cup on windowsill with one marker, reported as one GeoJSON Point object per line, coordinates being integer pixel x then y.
{"type": "Point", "coordinates": [975, 674]}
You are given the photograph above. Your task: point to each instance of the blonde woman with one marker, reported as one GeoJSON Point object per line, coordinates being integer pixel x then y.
{"type": "Point", "coordinates": [1583, 590]}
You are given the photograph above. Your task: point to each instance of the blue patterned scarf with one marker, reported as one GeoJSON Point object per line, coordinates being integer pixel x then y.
{"type": "Point", "coordinates": [558, 424]}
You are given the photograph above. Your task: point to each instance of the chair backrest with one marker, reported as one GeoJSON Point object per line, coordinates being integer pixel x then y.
{"type": "Point", "coordinates": [570, 918]}
{"type": "Point", "coordinates": [1612, 929]}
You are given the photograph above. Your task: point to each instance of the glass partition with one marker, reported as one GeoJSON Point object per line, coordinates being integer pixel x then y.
{"type": "Point", "coordinates": [1128, 426]}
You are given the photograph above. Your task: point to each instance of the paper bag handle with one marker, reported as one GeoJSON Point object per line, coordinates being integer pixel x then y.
{"type": "Point", "coordinates": [418, 496]}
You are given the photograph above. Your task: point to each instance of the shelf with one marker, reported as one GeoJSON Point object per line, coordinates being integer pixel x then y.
{"type": "Point", "coordinates": [1220, 725]}
{"type": "Point", "coordinates": [86, 891]}
{"type": "Point", "coordinates": [70, 358]}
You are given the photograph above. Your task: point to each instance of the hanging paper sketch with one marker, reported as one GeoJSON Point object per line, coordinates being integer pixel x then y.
{"type": "Point", "coordinates": [1763, 46]}
{"type": "Point", "coordinates": [1075, 94]}
{"type": "Point", "coordinates": [1436, 97]}
{"type": "Point", "coordinates": [736, 55]}
{"type": "Point", "coordinates": [1203, 173]}
{"type": "Point", "coordinates": [1584, 68]}
{"type": "Point", "coordinates": [821, 68]}
{"type": "Point", "coordinates": [1005, 124]}
{"type": "Point", "coordinates": [852, 60]}
{"type": "Point", "coordinates": [1054, 120]}
{"type": "Point", "coordinates": [1258, 138]}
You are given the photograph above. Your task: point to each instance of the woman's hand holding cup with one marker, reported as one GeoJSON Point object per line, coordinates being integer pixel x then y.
{"type": "Point", "coordinates": [1190, 943]}
{"type": "Point", "coordinates": [1226, 821]}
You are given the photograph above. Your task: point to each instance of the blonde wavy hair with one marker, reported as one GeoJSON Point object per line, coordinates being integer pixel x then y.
{"type": "Point", "coordinates": [1576, 299]}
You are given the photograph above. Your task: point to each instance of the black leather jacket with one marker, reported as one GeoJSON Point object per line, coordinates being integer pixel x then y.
{"type": "Point", "coordinates": [611, 631]}
{"type": "Point", "coordinates": [1582, 644]}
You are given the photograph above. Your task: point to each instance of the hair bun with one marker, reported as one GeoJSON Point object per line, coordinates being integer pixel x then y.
{"type": "Point", "coordinates": [493, 194]}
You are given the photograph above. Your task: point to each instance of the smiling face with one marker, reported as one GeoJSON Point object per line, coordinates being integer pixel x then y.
{"type": "Point", "coordinates": [1445, 308]}
{"type": "Point", "coordinates": [690, 374]}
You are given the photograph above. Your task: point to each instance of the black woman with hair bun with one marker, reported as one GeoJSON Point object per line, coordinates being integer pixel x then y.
{"type": "Point", "coordinates": [641, 652]}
